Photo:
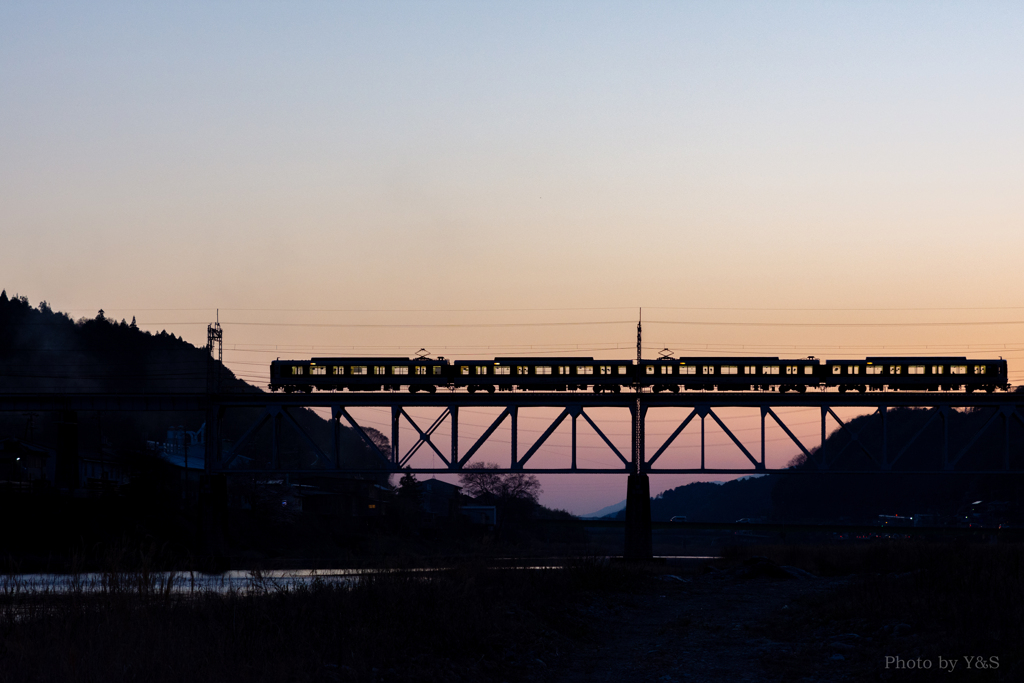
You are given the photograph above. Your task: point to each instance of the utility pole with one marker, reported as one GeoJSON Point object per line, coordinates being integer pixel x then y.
{"type": "Point", "coordinates": [639, 543]}
{"type": "Point", "coordinates": [639, 336]}
{"type": "Point", "coordinates": [214, 335]}
{"type": "Point", "coordinates": [212, 498]}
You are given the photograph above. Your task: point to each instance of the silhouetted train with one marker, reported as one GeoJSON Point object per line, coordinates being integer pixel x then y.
{"type": "Point", "coordinates": [944, 373]}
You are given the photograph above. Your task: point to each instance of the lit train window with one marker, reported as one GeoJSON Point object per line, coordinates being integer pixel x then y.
{"type": "Point", "coordinates": [979, 369]}
{"type": "Point", "coordinates": [666, 369]}
{"type": "Point", "coordinates": [297, 370]}
{"type": "Point", "coordinates": [808, 370]}
{"type": "Point", "coordinates": [421, 369]}
{"type": "Point", "coordinates": [606, 369]}
{"type": "Point", "coordinates": [958, 369]}
{"type": "Point", "coordinates": [358, 370]}
{"type": "Point", "coordinates": [729, 370]}
{"type": "Point", "coordinates": [463, 369]}
{"type": "Point", "coordinates": [338, 370]}
{"type": "Point", "coordinates": [399, 370]}
{"type": "Point", "coordinates": [543, 370]}
{"type": "Point", "coordinates": [749, 369]}
{"type": "Point", "coordinates": [622, 369]}
{"type": "Point", "coordinates": [584, 369]}
{"type": "Point", "coordinates": [708, 369]}
{"type": "Point", "coordinates": [937, 369]}
{"type": "Point", "coordinates": [649, 369]}
{"type": "Point", "coordinates": [379, 370]}
{"type": "Point", "coordinates": [836, 369]}
{"type": "Point", "coordinates": [791, 369]}
{"type": "Point", "coordinates": [481, 369]}
{"type": "Point", "coordinates": [437, 369]}
{"type": "Point", "coordinates": [895, 369]}
{"type": "Point", "coordinates": [852, 369]}
{"type": "Point", "coordinates": [563, 369]}
{"type": "Point", "coordinates": [769, 369]}
{"type": "Point", "coordinates": [688, 370]}
{"type": "Point", "coordinates": [318, 370]}
{"type": "Point", "coordinates": [522, 370]}
{"type": "Point", "coordinates": [915, 369]}
{"type": "Point", "coordinates": [502, 370]}
{"type": "Point", "coordinates": [875, 369]}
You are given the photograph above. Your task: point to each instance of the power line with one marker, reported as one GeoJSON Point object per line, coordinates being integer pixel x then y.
{"type": "Point", "coordinates": [591, 323]}
{"type": "Point", "coordinates": [574, 308]}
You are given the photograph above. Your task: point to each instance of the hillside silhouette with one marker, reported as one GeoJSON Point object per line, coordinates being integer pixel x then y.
{"type": "Point", "coordinates": [860, 494]}
{"type": "Point", "coordinates": [42, 350]}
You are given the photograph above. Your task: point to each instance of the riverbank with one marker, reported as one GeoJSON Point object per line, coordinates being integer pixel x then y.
{"type": "Point", "coordinates": [822, 613]}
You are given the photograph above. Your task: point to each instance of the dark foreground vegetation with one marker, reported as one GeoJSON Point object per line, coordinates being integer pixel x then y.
{"type": "Point", "coordinates": [462, 624]}
{"type": "Point", "coordinates": [778, 612]}
{"type": "Point", "coordinates": [908, 600]}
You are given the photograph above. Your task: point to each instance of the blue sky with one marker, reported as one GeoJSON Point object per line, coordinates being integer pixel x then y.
{"type": "Point", "coordinates": [266, 158]}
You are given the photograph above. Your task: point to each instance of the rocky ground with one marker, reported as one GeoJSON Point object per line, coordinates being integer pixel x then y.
{"type": "Point", "coordinates": [755, 622]}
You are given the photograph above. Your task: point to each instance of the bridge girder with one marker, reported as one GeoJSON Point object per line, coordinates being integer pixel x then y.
{"type": "Point", "coordinates": [275, 410]}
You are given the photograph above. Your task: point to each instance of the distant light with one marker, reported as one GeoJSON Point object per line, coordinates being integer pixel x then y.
{"type": "Point", "coordinates": [977, 502]}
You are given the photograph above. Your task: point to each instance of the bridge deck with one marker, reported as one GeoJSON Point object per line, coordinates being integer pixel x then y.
{"type": "Point", "coordinates": [200, 401]}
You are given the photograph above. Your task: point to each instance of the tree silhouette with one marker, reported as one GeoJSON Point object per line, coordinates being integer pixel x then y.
{"type": "Point", "coordinates": [481, 479]}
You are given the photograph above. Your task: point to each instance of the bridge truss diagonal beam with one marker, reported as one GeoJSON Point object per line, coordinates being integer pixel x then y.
{"type": "Point", "coordinates": [766, 410]}
{"type": "Point", "coordinates": [672, 437]}
{"type": "Point", "coordinates": [420, 441]}
{"type": "Point", "coordinates": [543, 437]}
{"type": "Point", "coordinates": [607, 441]}
{"type": "Point", "coordinates": [1005, 412]}
{"type": "Point", "coordinates": [424, 435]}
{"type": "Point", "coordinates": [739, 444]}
{"type": "Point", "coordinates": [302, 433]}
{"type": "Point", "coordinates": [483, 437]}
{"type": "Point", "coordinates": [932, 414]}
{"type": "Point", "coordinates": [248, 434]}
{"type": "Point", "coordinates": [854, 438]}
{"type": "Point", "coordinates": [338, 411]}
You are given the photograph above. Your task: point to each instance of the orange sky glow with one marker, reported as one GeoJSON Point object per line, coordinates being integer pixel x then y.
{"type": "Point", "coordinates": [480, 180]}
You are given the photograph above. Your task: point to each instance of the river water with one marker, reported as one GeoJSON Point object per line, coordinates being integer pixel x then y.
{"type": "Point", "coordinates": [237, 581]}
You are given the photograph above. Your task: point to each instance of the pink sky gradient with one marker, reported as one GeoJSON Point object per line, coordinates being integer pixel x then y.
{"type": "Point", "coordinates": [312, 169]}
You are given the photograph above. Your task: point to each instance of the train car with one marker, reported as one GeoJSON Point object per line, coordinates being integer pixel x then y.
{"type": "Point", "coordinates": [728, 374]}
{"type": "Point", "coordinates": [542, 374]}
{"type": "Point", "coordinates": [910, 373]}
{"type": "Point", "coordinates": [945, 373]}
{"type": "Point", "coordinates": [359, 374]}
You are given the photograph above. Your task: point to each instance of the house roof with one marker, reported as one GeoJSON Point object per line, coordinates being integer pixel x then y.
{"type": "Point", "coordinates": [15, 445]}
{"type": "Point", "coordinates": [437, 486]}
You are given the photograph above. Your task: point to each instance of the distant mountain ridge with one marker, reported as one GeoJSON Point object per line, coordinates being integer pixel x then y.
{"type": "Point", "coordinates": [606, 511]}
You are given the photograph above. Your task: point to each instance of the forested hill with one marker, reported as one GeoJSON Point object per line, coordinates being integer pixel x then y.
{"type": "Point", "coordinates": [707, 501]}
{"type": "Point", "coordinates": [861, 493]}
{"type": "Point", "coordinates": [45, 350]}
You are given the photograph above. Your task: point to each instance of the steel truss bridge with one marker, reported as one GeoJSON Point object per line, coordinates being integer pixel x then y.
{"type": "Point", "coordinates": [1001, 409]}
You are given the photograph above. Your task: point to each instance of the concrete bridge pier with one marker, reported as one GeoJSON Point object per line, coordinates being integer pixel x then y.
{"type": "Point", "coordinates": [639, 546]}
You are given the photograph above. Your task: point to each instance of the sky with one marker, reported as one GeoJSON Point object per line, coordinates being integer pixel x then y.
{"type": "Point", "coordinates": [807, 178]}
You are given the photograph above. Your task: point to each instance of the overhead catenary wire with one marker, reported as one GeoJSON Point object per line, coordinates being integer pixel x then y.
{"type": "Point", "coordinates": [590, 323]}
{"type": "Point", "coordinates": [573, 308]}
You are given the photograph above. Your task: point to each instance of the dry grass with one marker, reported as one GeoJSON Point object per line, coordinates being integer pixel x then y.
{"type": "Point", "coordinates": [468, 623]}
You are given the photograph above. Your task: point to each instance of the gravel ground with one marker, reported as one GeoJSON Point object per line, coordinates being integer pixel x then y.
{"type": "Point", "coordinates": [706, 628]}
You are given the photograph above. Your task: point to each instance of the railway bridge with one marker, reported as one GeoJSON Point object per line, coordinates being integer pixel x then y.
{"type": "Point", "coordinates": [881, 456]}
